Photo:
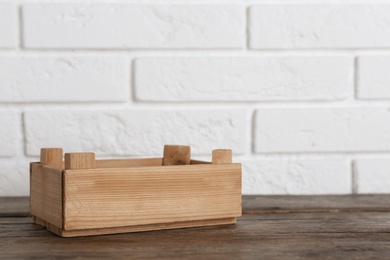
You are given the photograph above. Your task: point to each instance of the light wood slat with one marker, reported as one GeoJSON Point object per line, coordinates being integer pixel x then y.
{"type": "Point", "coordinates": [125, 163]}
{"type": "Point", "coordinates": [150, 195]}
{"type": "Point", "coordinates": [46, 193]}
{"type": "Point", "coordinates": [260, 204]}
{"type": "Point", "coordinates": [130, 229]}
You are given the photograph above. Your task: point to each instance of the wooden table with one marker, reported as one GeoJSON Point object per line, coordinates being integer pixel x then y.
{"type": "Point", "coordinates": [280, 227]}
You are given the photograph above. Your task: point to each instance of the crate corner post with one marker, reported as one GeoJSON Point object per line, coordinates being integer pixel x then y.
{"type": "Point", "coordinates": [222, 156]}
{"type": "Point", "coordinates": [177, 155]}
{"type": "Point", "coordinates": [46, 188]}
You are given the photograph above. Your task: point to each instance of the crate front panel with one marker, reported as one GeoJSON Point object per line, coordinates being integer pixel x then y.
{"type": "Point", "coordinates": [101, 198]}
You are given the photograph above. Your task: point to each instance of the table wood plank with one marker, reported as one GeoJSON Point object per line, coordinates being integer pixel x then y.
{"type": "Point", "coordinates": [14, 206]}
{"type": "Point", "coordinates": [334, 233]}
{"type": "Point", "coordinates": [325, 235]}
{"type": "Point", "coordinates": [320, 203]}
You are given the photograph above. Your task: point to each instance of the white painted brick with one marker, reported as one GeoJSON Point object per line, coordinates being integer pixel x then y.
{"type": "Point", "coordinates": [373, 175]}
{"type": "Point", "coordinates": [278, 177]}
{"type": "Point", "coordinates": [322, 130]}
{"type": "Point", "coordinates": [9, 26]}
{"type": "Point", "coordinates": [373, 77]}
{"type": "Point", "coordinates": [136, 132]}
{"type": "Point", "coordinates": [320, 26]}
{"type": "Point", "coordinates": [133, 26]}
{"type": "Point", "coordinates": [14, 178]}
{"type": "Point", "coordinates": [10, 123]}
{"type": "Point", "coordinates": [32, 79]}
{"type": "Point", "coordinates": [76, 57]}
{"type": "Point", "coordinates": [243, 79]}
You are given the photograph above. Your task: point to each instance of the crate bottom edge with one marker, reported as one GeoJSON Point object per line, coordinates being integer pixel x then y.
{"type": "Point", "coordinates": [139, 228]}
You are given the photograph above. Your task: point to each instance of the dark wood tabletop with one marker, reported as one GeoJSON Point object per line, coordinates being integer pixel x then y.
{"type": "Point", "coordinates": [272, 227]}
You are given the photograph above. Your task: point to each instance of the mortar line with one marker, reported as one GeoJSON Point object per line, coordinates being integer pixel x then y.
{"type": "Point", "coordinates": [354, 176]}
{"type": "Point", "coordinates": [20, 27]}
{"type": "Point", "coordinates": [356, 78]}
{"type": "Point", "coordinates": [247, 27]}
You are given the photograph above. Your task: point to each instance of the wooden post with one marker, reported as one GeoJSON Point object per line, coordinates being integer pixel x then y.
{"type": "Point", "coordinates": [79, 161]}
{"type": "Point", "coordinates": [222, 156]}
{"type": "Point", "coordinates": [52, 157]}
{"type": "Point", "coordinates": [177, 155]}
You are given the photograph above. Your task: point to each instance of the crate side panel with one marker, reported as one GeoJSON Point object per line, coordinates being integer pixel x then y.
{"type": "Point", "coordinates": [124, 163]}
{"type": "Point", "coordinates": [46, 194]}
{"type": "Point", "coordinates": [102, 198]}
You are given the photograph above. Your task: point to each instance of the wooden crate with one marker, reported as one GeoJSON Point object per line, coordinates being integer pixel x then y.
{"type": "Point", "coordinates": [81, 196]}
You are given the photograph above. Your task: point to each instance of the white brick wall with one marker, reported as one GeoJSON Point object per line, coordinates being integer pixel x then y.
{"type": "Point", "coordinates": [243, 79]}
{"type": "Point", "coordinates": [299, 91]}
{"type": "Point", "coordinates": [9, 133]}
{"type": "Point", "coordinates": [136, 132]}
{"type": "Point", "coordinates": [133, 26]}
{"type": "Point", "coordinates": [322, 130]}
{"type": "Point", "coordinates": [14, 178]}
{"type": "Point", "coordinates": [8, 26]}
{"type": "Point", "coordinates": [373, 81]}
{"type": "Point", "coordinates": [290, 26]}
{"type": "Point", "coordinates": [373, 175]}
{"type": "Point", "coordinates": [64, 79]}
{"type": "Point", "coordinates": [296, 177]}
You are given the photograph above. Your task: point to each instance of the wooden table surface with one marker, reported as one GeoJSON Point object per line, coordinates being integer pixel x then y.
{"type": "Point", "coordinates": [278, 227]}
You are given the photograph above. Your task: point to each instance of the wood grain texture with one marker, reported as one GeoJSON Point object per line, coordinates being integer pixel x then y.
{"type": "Point", "coordinates": [221, 156]}
{"type": "Point", "coordinates": [125, 163]}
{"type": "Point", "coordinates": [177, 155]}
{"type": "Point", "coordinates": [150, 195]}
{"type": "Point", "coordinates": [318, 203]}
{"type": "Point", "coordinates": [325, 235]}
{"type": "Point", "coordinates": [46, 193]}
{"type": "Point", "coordinates": [52, 157]}
{"type": "Point", "coordinates": [131, 229]}
{"type": "Point", "coordinates": [261, 204]}
{"type": "Point", "coordinates": [80, 161]}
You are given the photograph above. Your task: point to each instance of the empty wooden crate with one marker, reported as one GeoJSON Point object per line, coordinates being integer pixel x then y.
{"type": "Point", "coordinates": [81, 196]}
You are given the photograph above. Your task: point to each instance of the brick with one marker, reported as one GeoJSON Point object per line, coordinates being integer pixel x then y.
{"type": "Point", "coordinates": [136, 132]}
{"type": "Point", "coordinates": [312, 129]}
{"type": "Point", "coordinates": [280, 26]}
{"type": "Point", "coordinates": [373, 175]}
{"type": "Point", "coordinates": [133, 26]}
{"type": "Point", "coordinates": [373, 77]}
{"type": "Point", "coordinates": [9, 26]}
{"type": "Point", "coordinates": [243, 78]}
{"type": "Point", "coordinates": [9, 133]}
{"type": "Point", "coordinates": [64, 79]}
{"type": "Point", "coordinates": [14, 178]}
{"type": "Point", "coordinates": [293, 177]}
